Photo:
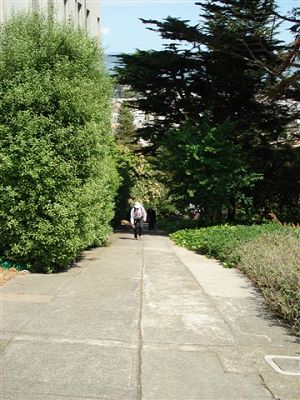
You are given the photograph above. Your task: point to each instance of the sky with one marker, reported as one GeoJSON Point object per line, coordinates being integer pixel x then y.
{"type": "Point", "coordinates": [123, 32]}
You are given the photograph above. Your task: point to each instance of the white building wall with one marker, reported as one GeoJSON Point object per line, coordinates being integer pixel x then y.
{"type": "Point", "coordinates": [83, 13]}
{"type": "Point", "coordinates": [8, 7]}
{"type": "Point", "coordinates": [93, 18]}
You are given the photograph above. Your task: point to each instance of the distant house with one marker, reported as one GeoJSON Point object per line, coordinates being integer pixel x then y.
{"type": "Point", "coordinates": [291, 135]}
{"type": "Point", "coordinates": [83, 13]}
{"type": "Point", "coordinates": [123, 93]}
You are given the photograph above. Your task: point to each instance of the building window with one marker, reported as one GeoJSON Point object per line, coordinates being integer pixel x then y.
{"type": "Point", "coordinates": [79, 11]}
{"type": "Point", "coordinates": [98, 26]}
{"type": "Point", "coordinates": [87, 21]}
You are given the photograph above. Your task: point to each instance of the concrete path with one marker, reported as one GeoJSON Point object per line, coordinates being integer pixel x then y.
{"type": "Point", "coordinates": [143, 320]}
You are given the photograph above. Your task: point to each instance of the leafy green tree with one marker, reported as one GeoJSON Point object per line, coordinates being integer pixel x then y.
{"type": "Point", "coordinates": [148, 187]}
{"type": "Point", "coordinates": [140, 180]}
{"type": "Point", "coordinates": [126, 163]}
{"type": "Point", "coordinates": [58, 175]}
{"type": "Point", "coordinates": [205, 168]}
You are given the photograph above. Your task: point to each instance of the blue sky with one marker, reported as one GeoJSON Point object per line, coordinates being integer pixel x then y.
{"type": "Point", "coordinates": [122, 31]}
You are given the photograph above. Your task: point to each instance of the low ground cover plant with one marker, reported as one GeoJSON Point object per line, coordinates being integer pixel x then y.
{"type": "Point", "coordinates": [174, 225]}
{"type": "Point", "coordinates": [269, 255]}
{"type": "Point", "coordinates": [273, 263]}
{"type": "Point", "coordinates": [221, 241]}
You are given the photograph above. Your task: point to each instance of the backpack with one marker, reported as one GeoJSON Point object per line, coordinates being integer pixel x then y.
{"type": "Point", "coordinates": [137, 213]}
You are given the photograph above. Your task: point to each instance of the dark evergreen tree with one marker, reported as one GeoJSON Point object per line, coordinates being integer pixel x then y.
{"type": "Point", "coordinates": [241, 36]}
{"type": "Point", "coordinates": [168, 83]}
{"type": "Point", "coordinates": [219, 70]}
{"type": "Point", "coordinates": [209, 70]}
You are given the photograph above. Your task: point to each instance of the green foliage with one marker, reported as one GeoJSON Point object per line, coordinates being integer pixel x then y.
{"type": "Point", "coordinates": [214, 69]}
{"type": "Point", "coordinates": [221, 241]}
{"type": "Point", "coordinates": [173, 225]}
{"type": "Point", "coordinates": [127, 163]}
{"type": "Point", "coordinates": [58, 175]}
{"type": "Point", "coordinates": [205, 168]}
{"type": "Point", "coordinates": [220, 70]}
{"type": "Point", "coordinates": [280, 188]}
{"type": "Point", "coordinates": [139, 181]}
{"type": "Point", "coordinates": [272, 262]}
{"type": "Point", "coordinates": [165, 82]}
{"type": "Point", "coordinates": [147, 188]}
{"type": "Point", "coordinates": [268, 254]}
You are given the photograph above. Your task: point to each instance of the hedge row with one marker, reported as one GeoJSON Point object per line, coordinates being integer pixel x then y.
{"type": "Point", "coordinates": [57, 168]}
{"type": "Point", "coordinates": [269, 254]}
{"type": "Point", "coordinates": [174, 225]}
{"type": "Point", "coordinates": [272, 262]}
{"type": "Point", "coordinates": [221, 241]}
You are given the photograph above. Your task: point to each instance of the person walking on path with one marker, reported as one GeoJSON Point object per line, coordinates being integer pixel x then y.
{"type": "Point", "coordinates": [151, 218]}
{"type": "Point", "coordinates": [137, 217]}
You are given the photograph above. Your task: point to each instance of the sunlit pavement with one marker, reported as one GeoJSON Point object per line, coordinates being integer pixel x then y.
{"type": "Point", "coordinates": [143, 319]}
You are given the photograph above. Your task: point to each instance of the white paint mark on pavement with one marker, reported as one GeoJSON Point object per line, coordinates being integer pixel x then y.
{"type": "Point", "coordinates": [271, 361]}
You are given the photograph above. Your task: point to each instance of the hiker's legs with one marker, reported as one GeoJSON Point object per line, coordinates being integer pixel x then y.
{"type": "Point", "coordinates": [135, 229]}
{"type": "Point", "coordinates": [138, 228]}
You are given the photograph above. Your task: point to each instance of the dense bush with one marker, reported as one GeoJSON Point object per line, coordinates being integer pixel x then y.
{"type": "Point", "coordinates": [269, 254]}
{"type": "Point", "coordinates": [272, 262]}
{"type": "Point", "coordinates": [221, 241]}
{"type": "Point", "coordinates": [170, 225]}
{"type": "Point", "coordinates": [205, 168]}
{"type": "Point", "coordinates": [58, 176]}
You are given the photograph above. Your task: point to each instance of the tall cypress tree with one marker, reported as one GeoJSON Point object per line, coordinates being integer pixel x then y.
{"type": "Point", "coordinates": [170, 82]}
{"type": "Point", "coordinates": [241, 41]}
{"type": "Point", "coordinates": [217, 71]}
{"type": "Point", "coordinates": [242, 54]}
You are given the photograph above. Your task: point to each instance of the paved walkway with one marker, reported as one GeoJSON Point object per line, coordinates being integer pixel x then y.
{"type": "Point", "coordinates": [142, 320]}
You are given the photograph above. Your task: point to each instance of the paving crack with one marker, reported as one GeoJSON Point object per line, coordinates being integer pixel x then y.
{"type": "Point", "coordinates": [140, 333]}
{"type": "Point", "coordinates": [209, 298]}
{"type": "Point", "coordinates": [268, 389]}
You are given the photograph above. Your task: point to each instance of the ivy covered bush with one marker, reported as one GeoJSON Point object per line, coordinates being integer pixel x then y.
{"type": "Point", "coordinates": [222, 241]}
{"type": "Point", "coordinates": [272, 262]}
{"type": "Point", "coordinates": [57, 168]}
{"type": "Point", "coordinates": [268, 254]}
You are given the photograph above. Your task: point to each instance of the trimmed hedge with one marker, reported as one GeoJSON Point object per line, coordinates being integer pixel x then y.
{"type": "Point", "coordinates": [171, 226]}
{"type": "Point", "coordinates": [272, 262]}
{"type": "Point", "coordinates": [221, 241]}
{"type": "Point", "coordinates": [269, 255]}
{"type": "Point", "coordinates": [57, 168]}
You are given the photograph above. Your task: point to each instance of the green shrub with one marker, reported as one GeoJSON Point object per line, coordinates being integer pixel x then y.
{"type": "Point", "coordinates": [221, 241]}
{"type": "Point", "coordinates": [272, 262]}
{"type": "Point", "coordinates": [174, 225]}
{"type": "Point", "coordinates": [269, 254]}
{"type": "Point", "coordinates": [58, 175]}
